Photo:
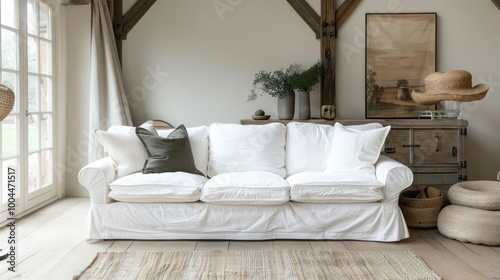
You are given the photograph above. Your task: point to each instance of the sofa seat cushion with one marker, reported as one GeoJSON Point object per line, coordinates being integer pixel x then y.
{"type": "Point", "coordinates": [158, 187]}
{"type": "Point", "coordinates": [320, 187]}
{"type": "Point", "coordinates": [246, 188]}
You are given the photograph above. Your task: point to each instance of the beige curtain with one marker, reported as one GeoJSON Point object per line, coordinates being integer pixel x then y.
{"type": "Point", "coordinates": [108, 103]}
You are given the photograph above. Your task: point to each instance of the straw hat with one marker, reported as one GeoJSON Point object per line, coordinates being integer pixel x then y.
{"type": "Point", "coordinates": [6, 101]}
{"type": "Point", "coordinates": [452, 85]}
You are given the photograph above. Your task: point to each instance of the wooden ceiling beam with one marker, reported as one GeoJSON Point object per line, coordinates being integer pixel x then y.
{"type": "Point", "coordinates": [497, 3]}
{"type": "Point", "coordinates": [308, 15]}
{"type": "Point", "coordinates": [75, 2]}
{"type": "Point", "coordinates": [132, 17]}
{"type": "Point", "coordinates": [345, 10]}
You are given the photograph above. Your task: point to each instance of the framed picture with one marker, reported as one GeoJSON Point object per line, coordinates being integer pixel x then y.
{"type": "Point", "coordinates": [400, 52]}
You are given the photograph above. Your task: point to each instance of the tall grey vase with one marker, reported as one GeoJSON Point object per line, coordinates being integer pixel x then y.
{"type": "Point", "coordinates": [304, 105]}
{"type": "Point", "coordinates": [286, 107]}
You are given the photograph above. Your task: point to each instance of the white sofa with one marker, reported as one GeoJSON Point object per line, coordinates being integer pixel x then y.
{"type": "Point", "coordinates": [300, 181]}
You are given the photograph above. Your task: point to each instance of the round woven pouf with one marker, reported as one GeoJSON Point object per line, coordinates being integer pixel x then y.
{"type": "Point", "coordinates": [468, 224]}
{"type": "Point", "coordinates": [476, 194]}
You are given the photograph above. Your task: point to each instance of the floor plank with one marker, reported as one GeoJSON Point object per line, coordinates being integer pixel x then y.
{"type": "Point", "coordinates": [280, 245]}
{"type": "Point", "coordinates": [212, 246]}
{"type": "Point", "coordinates": [43, 248]}
{"type": "Point", "coordinates": [82, 255]}
{"type": "Point", "coordinates": [162, 246]}
{"type": "Point", "coordinates": [35, 220]}
{"type": "Point", "coordinates": [120, 246]}
{"type": "Point", "coordinates": [441, 260]}
{"type": "Point", "coordinates": [251, 246]}
{"type": "Point", "coordinates": [327, 245]}
{"type": "Point", "coordinates": [473, 255]}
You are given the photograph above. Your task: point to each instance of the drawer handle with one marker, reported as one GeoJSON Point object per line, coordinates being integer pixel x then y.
{"type": "Point", "coordinates": [411, 146]}
{"type": "Point", "coordinates": [454, 151]}
{"type": "Point", "coordinates": [390, 150]}
{"type": "Point", "coordinates": [437, 144]}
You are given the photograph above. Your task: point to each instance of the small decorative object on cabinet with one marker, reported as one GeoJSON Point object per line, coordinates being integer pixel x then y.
{"type": "Point", "coordinates": [260, 115]}
{"type": "Point", "coordinates": [328, 112]}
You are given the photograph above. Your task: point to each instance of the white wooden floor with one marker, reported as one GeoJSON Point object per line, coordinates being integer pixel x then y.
{"type": "Point", "coordinates": [51, 246]}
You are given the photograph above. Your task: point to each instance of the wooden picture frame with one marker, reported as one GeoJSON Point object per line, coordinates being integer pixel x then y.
{"type": "Point", "coordinates": [400, 52]}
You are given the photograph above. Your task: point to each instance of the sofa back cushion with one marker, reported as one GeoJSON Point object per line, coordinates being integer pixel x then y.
{"type": "Point", "coordinates": [308, 145]}
{"type": "Point", "coordinates": [354, 150]}
{"type": "Point", "coordinates": [240, 148]}
{"type": "Point", "coordinates": [198, 137]}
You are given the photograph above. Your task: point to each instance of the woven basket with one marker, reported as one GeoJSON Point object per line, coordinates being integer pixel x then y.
{"type": "Point", "coordinates": [6, 101]}
{"type": "Point", "coordinates": [421, 208]}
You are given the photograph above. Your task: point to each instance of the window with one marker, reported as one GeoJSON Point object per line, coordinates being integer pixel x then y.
{"type": "Point", "coordinates": [27, 135]}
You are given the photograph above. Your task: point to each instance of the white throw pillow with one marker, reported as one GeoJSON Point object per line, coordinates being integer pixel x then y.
{"type": "Point", "coordinates": [124, 147]}
{"type": "Point", "coordinates": [240, 148]}
{"type": "Point", "coordinates": [198, 137]}
{"type": "Point", "coordinates": [354, 150]}
{"type": "Point", "coordinates": [308, 145]}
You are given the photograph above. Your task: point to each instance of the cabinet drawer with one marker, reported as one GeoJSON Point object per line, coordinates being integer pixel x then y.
{"type": "Point", "coordinates": [394, 143]}
{"type": "Point", "coordinates": [440, 146]}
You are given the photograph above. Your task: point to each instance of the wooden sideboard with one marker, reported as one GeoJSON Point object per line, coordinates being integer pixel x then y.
{"type": "Point", "coordinates": [435, 150]}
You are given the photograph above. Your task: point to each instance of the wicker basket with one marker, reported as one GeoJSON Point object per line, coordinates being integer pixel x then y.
{"type": "Point", "coordinates": [6, 101]}
{"type": "Point", "coordinates": [421, 207]}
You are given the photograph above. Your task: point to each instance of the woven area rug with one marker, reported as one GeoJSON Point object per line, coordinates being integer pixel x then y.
{"type": "Point", "coordinates": [258, 265]}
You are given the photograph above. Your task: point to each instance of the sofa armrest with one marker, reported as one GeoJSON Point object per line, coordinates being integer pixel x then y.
{"type": "Point", "coordinates": [96, 177]}
{"type": "Point", "coordinates": [395, 176]}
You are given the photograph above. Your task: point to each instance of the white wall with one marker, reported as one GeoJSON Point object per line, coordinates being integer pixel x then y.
{"type": "Point", "coordinates": [205, 62]}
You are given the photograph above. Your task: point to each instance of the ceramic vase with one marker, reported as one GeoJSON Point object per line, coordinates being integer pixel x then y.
{"type": "Point", "coordinates": [304, 105]}
{"type": "Point", "coordinates": [286, 107]}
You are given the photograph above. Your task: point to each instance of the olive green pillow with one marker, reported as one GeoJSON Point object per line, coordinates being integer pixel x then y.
{"type": "Point", "coordinates": [170, 154]}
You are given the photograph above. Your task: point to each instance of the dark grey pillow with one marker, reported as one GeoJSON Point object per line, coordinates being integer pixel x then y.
{"type": "Point", "coordinates": [170, 154]}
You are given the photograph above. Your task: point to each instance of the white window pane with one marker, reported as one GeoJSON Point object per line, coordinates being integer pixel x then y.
{"type": "Point", "coordinates": [10, 136]}
{"type": "Point", "coordinates": [9, 47]}
{"type": "Point", "coordinates": [33, 133]}
{"type": "Point", "coordinates": [45, 21]}
{"type": "Point", "coordinates": [46, 168]}
{"type": "Point", "coordinates": [11, 81]}
{"type": "Point", "coordinates": [33, 172]}
{"type": "Point", "coordinates": [32, 17]}
{"type": "Point", "coordinates": [46, 130]}
{"type": "Point", "coordinates": [46, 94]}
{"type": "Point", "coordinates": [9, 13]}
{"type": "Point", "coordinates": [46, 58]}
{"type": "Point", "coordinates": [32, 55]}
{"type": "Point", "coordinates": [33, 96]}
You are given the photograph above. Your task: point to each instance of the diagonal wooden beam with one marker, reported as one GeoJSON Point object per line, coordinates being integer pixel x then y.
{"type": "Point", "coordinates": [497, 3]}
{"type": "Point", "coordinates": [132, 17]}
{"type": "Point", "coordinates": [345, 10]}
{"type": "Point", "coordinates": [307, 14]}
